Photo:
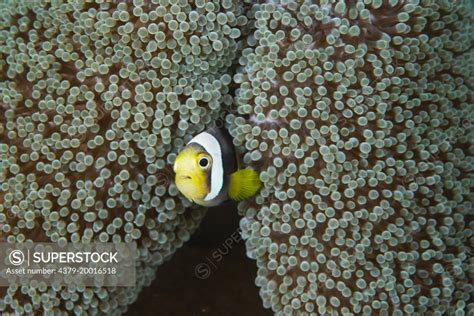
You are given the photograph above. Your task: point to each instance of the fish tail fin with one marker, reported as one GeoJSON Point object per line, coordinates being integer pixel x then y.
{"type": "Point", "coordinates": [243, 184]}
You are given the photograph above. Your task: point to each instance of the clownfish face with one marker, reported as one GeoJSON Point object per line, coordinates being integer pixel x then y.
{"type": "Point", "coordinates": [192, 168]}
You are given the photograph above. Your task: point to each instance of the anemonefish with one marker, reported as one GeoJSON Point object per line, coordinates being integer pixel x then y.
{"type": "Point", "coordinates": [207, 170]}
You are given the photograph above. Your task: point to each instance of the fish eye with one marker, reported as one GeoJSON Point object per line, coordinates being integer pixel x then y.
{"type": "Point", "coordinates": [203, 162]}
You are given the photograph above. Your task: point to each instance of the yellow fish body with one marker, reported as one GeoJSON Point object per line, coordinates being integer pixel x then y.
{"type": "Point", "coordinates": [207, 170]}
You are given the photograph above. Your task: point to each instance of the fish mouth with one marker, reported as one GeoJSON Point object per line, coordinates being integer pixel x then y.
{"type": "Point", "coordinates": [185, 189]}
{"type": "Point", "coordinates": [186, 184]}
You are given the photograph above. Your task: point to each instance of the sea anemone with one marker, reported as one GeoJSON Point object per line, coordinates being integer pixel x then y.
{"type": "Point", "coordinates": [359, 116]}
{"type": "Point", "coordinates": [96, 99]}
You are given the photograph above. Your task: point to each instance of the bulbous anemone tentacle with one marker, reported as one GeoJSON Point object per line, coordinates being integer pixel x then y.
{"type": "Point", "coordinates": [359, 116]}
{"type": "Point", "coordinates": [95, 101]}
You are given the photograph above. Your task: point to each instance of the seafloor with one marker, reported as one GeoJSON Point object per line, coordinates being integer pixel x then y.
{"type": "Point", "coordinates": [228, 288]}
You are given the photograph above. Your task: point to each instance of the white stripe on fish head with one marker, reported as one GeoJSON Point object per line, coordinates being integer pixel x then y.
{"type": "Point", "coordinates": [213, 148]}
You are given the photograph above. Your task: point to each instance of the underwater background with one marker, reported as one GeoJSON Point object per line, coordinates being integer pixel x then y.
{"type": "Point", "coordinates": [358, 116]}
{"type": "Point", "coordinates": [215, 277]}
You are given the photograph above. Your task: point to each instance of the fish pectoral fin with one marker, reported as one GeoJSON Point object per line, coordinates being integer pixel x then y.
{"type": "Point", "coordinates": [243, 184]}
